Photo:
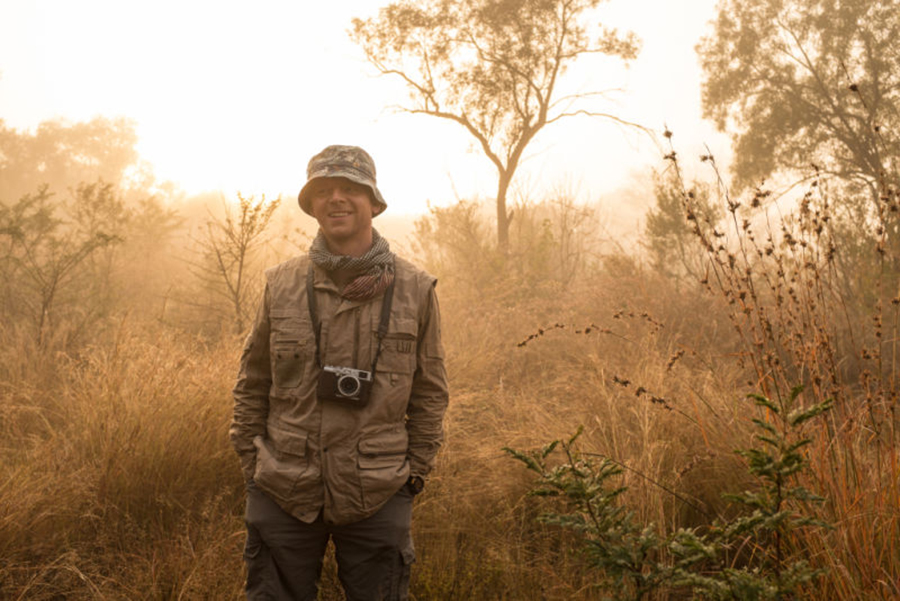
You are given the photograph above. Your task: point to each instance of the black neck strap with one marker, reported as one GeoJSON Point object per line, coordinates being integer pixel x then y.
{"type": "Point", "coordinates": [386, 304]}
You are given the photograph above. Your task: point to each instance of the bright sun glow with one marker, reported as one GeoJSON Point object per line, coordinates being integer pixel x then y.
{"type": "Point", "coordinates": [235, 96]}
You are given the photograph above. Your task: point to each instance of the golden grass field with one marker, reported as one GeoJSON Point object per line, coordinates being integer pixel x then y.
{"type": "Point", "coordinates": [117, 479]}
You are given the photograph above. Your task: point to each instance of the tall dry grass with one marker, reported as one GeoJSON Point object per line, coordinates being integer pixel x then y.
{"type": "Point", "coordinates": [655, 397]}
{"type": "Point", "coordinates": [117, 480]}
{"type": "Point", "coordinates": [814, 300]}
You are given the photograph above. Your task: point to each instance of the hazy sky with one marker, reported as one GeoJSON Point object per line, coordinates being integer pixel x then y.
{"type": "Point", "coordinates": [236, 96]}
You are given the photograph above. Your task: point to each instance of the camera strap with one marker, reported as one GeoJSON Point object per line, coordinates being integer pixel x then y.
{"type": "Point", "coordinates": [386, 304]}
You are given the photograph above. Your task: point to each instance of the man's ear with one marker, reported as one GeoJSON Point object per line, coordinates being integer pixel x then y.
{"type": "Point", "coordinates": [376, 208]}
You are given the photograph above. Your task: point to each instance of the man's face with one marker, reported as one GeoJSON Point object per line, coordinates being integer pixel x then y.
{"type": "Point", "coordinates": [344, 211]}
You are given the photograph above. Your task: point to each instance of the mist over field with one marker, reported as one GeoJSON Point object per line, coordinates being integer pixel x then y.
{"type": "Point", "coordinates": [683, 388]}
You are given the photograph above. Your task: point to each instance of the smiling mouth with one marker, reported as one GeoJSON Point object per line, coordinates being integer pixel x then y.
{"type": "Point", "coordinates": [339, 214]}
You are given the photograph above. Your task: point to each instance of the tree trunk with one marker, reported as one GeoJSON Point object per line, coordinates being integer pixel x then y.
{"type": "Point", "coordinates": [503, 217]}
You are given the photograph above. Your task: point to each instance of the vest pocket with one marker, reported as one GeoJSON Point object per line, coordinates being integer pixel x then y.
{"type": "Point", "coordinates": [287, 348]}
{"type": "Point", "coordinates": [398, 349]}
{"type": "Point", "coordinates": [280, 460]}
{"type": "Point", "coordinates": [287, 364]}
{"type": "Point", "coordinates": [382, 462]}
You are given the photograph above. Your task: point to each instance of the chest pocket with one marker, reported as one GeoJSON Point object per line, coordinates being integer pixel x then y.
{"type": "Point", "coordinates": [398, 349]}
{"type": "Point", "coordinates": [289, 344]}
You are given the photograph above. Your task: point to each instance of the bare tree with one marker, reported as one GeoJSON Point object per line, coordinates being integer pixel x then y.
{"type": "Point", "coordinates": [492, 66]}
{"type": "Point", "coordinates": [228, 244]}
{"type": "Point", "coordinates": [45, 252]}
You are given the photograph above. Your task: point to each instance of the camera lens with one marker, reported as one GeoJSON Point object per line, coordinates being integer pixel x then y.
{"type": "Point", "coordinates": [348, 386]}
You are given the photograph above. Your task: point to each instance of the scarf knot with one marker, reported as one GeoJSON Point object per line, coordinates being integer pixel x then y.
{"type": "Point", "coordinates": [375, 268]}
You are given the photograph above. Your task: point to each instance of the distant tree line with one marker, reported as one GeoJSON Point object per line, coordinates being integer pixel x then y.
{"type": "Point", "coordinates": [88, 234]}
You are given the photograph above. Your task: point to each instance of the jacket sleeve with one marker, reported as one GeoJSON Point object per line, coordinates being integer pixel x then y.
{"type": "Point", "coordinates": [251, 391]}
{"type": "Point", "coordinates": [430, 393]}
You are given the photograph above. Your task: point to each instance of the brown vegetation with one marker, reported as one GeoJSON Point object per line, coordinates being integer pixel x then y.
{"type": "Point", "coordinates": [117, 480]}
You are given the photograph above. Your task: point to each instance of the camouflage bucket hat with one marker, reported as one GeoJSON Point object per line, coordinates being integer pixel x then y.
{"type": "Point", "coordinates": [351, 162]}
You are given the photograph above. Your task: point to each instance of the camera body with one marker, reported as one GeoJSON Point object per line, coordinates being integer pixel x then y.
{"type": "Point", "coordinates": [344, 384]}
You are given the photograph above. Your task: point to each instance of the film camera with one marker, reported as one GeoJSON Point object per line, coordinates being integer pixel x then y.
{"type": "Point", "coordinates": [344, 384]}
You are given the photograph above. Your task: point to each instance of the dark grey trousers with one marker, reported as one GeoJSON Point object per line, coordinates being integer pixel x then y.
{"type": "Point", "coordinates": [284, 555]}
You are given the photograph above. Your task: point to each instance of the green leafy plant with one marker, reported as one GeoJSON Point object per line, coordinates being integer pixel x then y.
{"type": "Point", "coordinates": [753, 556]}
{"type": "Point", "coordinates": [773, 567]}
{"type": "Point", "coordinates": [624, 552]}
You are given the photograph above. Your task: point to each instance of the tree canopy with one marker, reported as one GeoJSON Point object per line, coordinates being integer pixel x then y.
{"type": "Point", "coordinates": [61, 155]}
{"type": "Point", "coordinates": [492, 66]}
{"type": "Point", "coordinates": [806, 82]}
{"type": "Point", "coordinates": [77, 211]}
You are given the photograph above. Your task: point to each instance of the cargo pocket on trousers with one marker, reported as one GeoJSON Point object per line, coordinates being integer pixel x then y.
{"type": "Point", "coordinates": [254, 547]}
{"type": "Point", "coordinates": [400, 581]}
{"type": "Point", "coordinates": [258, 562]}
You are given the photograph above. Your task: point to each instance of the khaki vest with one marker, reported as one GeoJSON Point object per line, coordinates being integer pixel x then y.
{"type": "Point", "coordinates": [338, 456]}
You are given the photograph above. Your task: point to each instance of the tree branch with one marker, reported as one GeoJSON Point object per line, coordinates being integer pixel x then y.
{"type": "Point", "coordinates": [604, 115]}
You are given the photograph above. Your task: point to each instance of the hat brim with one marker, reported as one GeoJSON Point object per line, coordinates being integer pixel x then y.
{"type": "Point", "coordinates": [378, 203]}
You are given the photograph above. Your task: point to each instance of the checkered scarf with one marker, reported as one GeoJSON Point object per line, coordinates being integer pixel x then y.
{"type": "Point", "coordinates": [376, 267]}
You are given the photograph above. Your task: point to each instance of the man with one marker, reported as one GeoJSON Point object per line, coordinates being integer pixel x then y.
{"type": "Point", "coordinates": [340, 399]}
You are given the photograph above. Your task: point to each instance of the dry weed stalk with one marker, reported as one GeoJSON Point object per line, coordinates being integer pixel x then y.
{"type": "Point", "coordinates": [799, 299]}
